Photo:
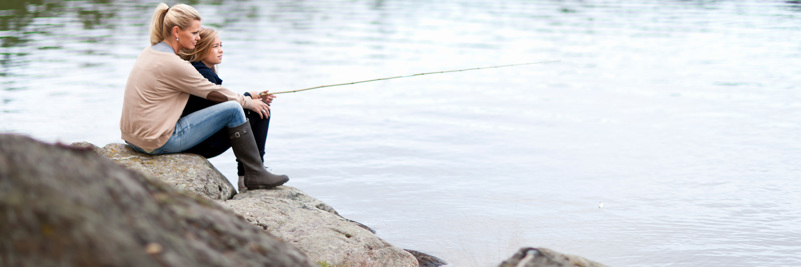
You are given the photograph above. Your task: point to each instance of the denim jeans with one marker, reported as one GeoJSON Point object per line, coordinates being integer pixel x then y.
{"type": "Point", "coordinates": [200, 125]}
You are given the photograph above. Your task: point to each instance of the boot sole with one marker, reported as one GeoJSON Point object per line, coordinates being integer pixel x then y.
{"type": "Point", "coordinates": [253, 187]}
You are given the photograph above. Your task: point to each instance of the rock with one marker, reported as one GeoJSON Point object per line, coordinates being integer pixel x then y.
{"type": "Point", "coordinates": [269, 210]}
{"type": "Point", "coordinates": [67, 206]}
{"type": "Point", "coordinates": [426, 260]}
{"type": "Point", "coordinates": [543, 257]}
{"type": "Point", "coordinates": [185, 171]}
{"type": "Point", "coordinates": [316, 229]}
{"type": "Point", "coordinates": [86, 145]}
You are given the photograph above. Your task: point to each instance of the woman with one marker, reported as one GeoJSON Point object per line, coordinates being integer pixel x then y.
{"type": "Point", "coordinates": [159, 87]}
{"type": "Point", "coordinates": [205, 57]}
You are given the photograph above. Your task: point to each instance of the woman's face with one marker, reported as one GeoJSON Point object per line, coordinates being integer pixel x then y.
{"type": "Point", "coordinates": [215, 54]}
{"type": "Point", "coordinates": [188, 38]}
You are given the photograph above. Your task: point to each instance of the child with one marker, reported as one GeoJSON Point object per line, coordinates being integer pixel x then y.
{"type": "Point", "coordinates": [207, 54]}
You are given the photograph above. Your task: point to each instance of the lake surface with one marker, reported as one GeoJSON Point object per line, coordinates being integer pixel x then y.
{"type": "Point", "coordinates": [682, 117]}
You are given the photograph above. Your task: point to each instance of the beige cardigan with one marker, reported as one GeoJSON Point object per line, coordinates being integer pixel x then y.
{"type": "Point", "coordinates": [156, 93]}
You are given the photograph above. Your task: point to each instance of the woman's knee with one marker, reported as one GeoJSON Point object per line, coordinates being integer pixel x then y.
{"type": "Point", "coordinates": [232, 105]}
{"type": "Point", "coordinates": [235, 110]}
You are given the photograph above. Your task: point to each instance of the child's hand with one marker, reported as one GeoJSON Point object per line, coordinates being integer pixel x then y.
{"type": "Point", "coordinates": [267, 97]}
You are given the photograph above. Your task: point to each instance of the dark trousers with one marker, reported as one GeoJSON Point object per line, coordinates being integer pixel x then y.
{"type": "Point", "coordinates": [219, 142]}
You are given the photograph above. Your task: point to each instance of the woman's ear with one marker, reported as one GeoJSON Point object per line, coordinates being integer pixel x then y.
{"type": "Point", "coordinates": [175, 31]}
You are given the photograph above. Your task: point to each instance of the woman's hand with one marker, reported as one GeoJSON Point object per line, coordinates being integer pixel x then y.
{"type": "Point", "coordinates": [262, 108]}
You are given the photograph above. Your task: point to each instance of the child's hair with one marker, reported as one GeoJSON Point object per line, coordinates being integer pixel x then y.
{"type": "Point", "coordinates": [165, 18]}
{"type": "Point", "coordinates": [202, 48]}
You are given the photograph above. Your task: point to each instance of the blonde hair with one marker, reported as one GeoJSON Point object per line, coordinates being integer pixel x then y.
{"type": "Point", "coordinates": [165, 18]}
{"type": "Point", "coordinates": [202, 48]}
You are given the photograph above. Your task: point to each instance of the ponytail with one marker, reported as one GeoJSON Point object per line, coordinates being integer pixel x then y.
{"type": "Point", "coordinates": [165, 18]}
{"type": "Point", "coordinates": [156, 34]}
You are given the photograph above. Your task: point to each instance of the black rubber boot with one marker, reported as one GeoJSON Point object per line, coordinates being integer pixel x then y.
{"type": "Point", "coordinates": [244, 145]}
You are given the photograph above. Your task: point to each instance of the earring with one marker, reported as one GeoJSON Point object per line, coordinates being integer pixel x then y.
{"type": "Point", "coordinates": [176, 39]}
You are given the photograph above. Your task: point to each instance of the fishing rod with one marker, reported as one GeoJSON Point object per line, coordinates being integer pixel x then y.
{"type": "Point", "coordinates": [406, 76]}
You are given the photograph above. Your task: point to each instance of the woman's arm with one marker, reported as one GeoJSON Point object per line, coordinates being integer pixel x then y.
{"type": "Point", "coordinates": [187, 79]}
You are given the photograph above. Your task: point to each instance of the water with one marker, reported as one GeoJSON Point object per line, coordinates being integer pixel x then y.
{"type": "Point", "coordinates": [682, 117]}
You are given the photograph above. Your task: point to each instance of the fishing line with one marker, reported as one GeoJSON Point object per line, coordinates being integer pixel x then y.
{"type": "Point", "coordinates": [407, 76]}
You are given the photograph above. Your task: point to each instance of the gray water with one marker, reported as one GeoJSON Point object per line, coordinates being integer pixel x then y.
{"type": "Point", "coordinates": [681, 117]}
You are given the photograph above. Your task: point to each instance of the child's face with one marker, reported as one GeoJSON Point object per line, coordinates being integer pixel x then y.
{"type": "Point", "coordinates": [215, 53]}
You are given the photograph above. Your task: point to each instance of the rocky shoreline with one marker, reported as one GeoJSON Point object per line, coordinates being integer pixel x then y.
{"type": "Point", "coordinates": [83, 205]}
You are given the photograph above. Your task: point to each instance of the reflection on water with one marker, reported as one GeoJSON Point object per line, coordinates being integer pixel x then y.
{"type": "Point", "coordinates": [681, 116]}
{"type": "Point", "coordinates": [89, 31]}
{"type": "Point", "coordinates": [23, 23]}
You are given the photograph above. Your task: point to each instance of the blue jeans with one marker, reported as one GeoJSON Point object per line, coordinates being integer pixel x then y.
{"type": "Point", "coordinates": [200, 125]}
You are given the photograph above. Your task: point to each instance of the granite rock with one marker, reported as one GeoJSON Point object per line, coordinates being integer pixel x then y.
{"type": "Point", "coordinates": [543, 257]}
{"type": "Point", "coordinates": [68, 206]}
{"type": "Point", "coordinates": [184, 171]}
{"type": "Point", "coordinates": [316, 229]}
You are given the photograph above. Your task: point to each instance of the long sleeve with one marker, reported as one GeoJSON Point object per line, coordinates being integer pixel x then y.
{"type": "Point", "coordinates": [188, 80]}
